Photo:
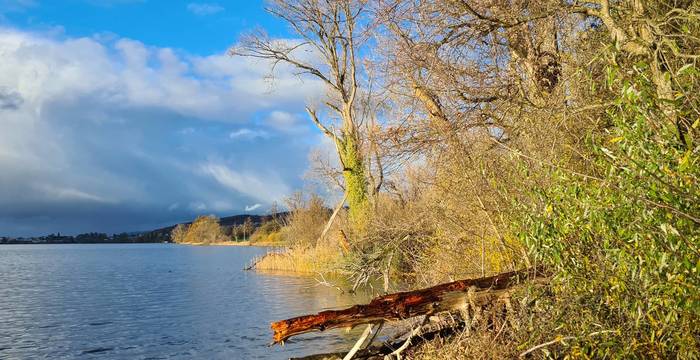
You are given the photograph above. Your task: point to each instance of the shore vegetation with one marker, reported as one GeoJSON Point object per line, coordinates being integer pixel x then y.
{"type": "Point", "coordinates": [477, 137]}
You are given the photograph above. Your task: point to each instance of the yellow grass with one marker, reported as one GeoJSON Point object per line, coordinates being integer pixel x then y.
{"type": "Point", "coordinates": [219, 243]}
{"type": "Point", "coordinates": [233, 243]}
{"type": "Point", "coordinates": [321, 259]}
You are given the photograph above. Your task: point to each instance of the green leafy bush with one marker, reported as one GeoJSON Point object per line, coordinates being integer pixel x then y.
{"type": "Point", "coordinates": [624, 240]}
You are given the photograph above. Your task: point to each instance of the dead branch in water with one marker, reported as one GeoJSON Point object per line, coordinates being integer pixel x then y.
{"type": "Point", "coordinates": [404, 305]}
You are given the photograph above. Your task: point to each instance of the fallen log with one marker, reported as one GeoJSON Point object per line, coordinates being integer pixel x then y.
{"type": "Point", "coordinates": [379, 352]}
{"type": "Point", "coordinates": [404, 305]}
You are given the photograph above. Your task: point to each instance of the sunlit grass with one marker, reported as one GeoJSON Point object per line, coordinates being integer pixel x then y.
{"type": "Point", "coordinates": [320, 259]}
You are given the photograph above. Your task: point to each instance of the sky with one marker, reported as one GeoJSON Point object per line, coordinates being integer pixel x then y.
{"type": "Point", "coordinates": [128, 115]}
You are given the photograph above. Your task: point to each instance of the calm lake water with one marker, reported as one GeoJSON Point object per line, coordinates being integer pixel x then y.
{"type": "Point", "coordinates": [152, 301]}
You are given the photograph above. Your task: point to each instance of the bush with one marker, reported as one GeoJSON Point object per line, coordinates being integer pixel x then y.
{"type": "Point", "coordinates": [267, 232]}
{"type": "Point", "coordinates": [177, 235]}
{"type": "Point", "coordinates": [204, 230]}
{"type": "Point", "coordinates": [306, 219]}
{"type": "Point", "coordinates": [624, 241]}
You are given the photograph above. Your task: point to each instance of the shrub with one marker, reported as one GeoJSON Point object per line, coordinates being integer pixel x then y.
{"type": "Point", "coordinates": [177, 235]}
{"type": "Point", "coordinates": [624, 241]}
{"type": "Point", "coordinates": [267, 232]}
{"type": "Point", "coordinates": [306, 220]}
{"type": "Point", "coordinates": [204, 229]}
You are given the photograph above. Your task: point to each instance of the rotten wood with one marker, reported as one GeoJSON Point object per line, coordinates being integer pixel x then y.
{"type": "Point", "coordinates": [404, 305]}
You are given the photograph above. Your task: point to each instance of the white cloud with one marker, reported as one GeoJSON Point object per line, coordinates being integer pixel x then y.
{"type": "Point", "coordinates": [130, 74]}
{"type": "Point", "coordinates": [70, 194]}
{"type": "Point", "coordinates": [112, 124]}
{"type": "Point", "coordinates": [253, 207]}
{"type": "Point", "coordinates": [248, 134]}
{"type": "Point", "coordinates": [198, 206]}
{"type": "Point", "coordinates": [204, 9]}
{"type": "Point", "coordinates": [284, 121]}
{"type": "Point", "coordinates": [267, 187]}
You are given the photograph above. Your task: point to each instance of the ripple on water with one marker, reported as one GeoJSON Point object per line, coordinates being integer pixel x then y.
{"type": "Point", "coordinates": [97, 350]}
{"type": "Point", "coordinates": [152, 302]}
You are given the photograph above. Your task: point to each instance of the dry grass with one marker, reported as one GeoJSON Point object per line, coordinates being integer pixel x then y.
{"type": "Point", "coordinates": [220, 243]}
{"type": "Point", "coordinates": [234, 243]}
{"type": "Point", "coordinates": [262, 238]}
{"type": "Point", "coordinates": [463, 346]}
{"type": "Point", "coordinates": [319, 259]}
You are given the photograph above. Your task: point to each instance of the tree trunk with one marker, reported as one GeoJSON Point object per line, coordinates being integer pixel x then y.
{"type": "Point", "coordinates": [404, 305]}
{"type": "Point", "coordinates": [355, 179]}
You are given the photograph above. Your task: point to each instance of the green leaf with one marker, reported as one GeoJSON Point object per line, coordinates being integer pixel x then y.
{"type": "Point", "coordinates": [683, 69]}
{"type": "Point", "coordinates": [684, 161]}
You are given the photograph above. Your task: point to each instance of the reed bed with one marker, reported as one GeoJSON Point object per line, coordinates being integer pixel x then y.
{"type": "Point", "coordinates": [320, 259]}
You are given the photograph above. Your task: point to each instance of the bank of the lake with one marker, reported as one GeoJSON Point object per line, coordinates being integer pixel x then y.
{"type": "Point", "coordinates": [235, 243]}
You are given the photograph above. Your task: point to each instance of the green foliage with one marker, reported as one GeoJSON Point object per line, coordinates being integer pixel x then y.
{"type": "Point", "coordinates": [624, 243]}
{"type": "Point", "coordinates": [355, 182]}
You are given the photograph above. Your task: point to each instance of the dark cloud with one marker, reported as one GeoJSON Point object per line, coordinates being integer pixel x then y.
{"type": "Point", "coordinates": [10, 100]}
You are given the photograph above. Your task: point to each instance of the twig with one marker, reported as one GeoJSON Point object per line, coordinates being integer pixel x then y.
{"type": "Point", "coordinates": [407, 343]}
{"type": "Point", "coordinates": [325, 282]}
{"type": "Point", "coordinates": [562, 340]}
{"type": "Point", "coordinates": [546, 344]}
{"type": "Point", "coordinates": [376, 332]}
{"type": "Point", "coordinates": [359, 343]}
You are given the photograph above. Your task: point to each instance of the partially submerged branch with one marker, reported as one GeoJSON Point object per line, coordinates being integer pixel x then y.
{"type": "Point", "coordinates": [404, 305]}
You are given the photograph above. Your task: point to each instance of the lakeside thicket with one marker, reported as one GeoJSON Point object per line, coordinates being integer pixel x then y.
{"type": "Point", "coordinates": [475, 137]}
{"type": "Point", "coordinates": [203, 230]}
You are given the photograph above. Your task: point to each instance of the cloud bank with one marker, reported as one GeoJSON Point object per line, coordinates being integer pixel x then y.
{"type": "Point", "coordinates": [116, 135]}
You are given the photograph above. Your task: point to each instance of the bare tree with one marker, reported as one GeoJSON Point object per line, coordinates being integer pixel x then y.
{"type": "Point", "coordinates": [179, 232]}
{"type": "Point", "coordinates": [329, 29]}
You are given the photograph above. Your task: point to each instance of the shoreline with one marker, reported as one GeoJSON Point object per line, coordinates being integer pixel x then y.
{"type": "Point", "coordinates": [222, 243]}
{"type": "Point", "coordinates": [234, 243]}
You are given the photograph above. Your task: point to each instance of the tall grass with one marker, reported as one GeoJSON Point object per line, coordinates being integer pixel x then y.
{"type": "Point", "coordinates": [319, 259]}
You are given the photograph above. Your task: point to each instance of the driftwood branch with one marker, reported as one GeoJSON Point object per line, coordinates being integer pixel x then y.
{"type": "Point", "coordinates": [332, 218]}
{"type": "Point", "coordinates": [427, 332]}
{"type": "Point", "coordinates": [358, 344]}
{"type": "Point", "coordinates": [404, 305]}
{"type": "Point", "coordinates": [407, 343]}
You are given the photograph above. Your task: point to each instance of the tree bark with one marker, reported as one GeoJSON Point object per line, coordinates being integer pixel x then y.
{"type": "Point", "coordinates": [404, 305]}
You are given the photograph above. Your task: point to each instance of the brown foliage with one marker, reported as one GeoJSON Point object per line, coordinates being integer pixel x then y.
{"type": "Point", "coordinates": [204, 230]}
{"type": "Point", "coordinates": [306, 219]}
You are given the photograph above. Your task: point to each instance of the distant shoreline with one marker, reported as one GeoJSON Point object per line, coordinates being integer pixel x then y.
{"type": "Point", "coordinates": [222, 243]}
{"type": "Point", "coordinates": [77, 243]}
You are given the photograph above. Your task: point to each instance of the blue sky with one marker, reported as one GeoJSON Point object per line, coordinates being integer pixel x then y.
{"type": "Point", "coordinates": [199, 27]}
{"type": "Point", "coordinates": [123, 115]}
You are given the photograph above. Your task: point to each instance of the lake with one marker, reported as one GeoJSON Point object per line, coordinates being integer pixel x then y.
{"type": "Point", "coordinates": [153, 301]}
